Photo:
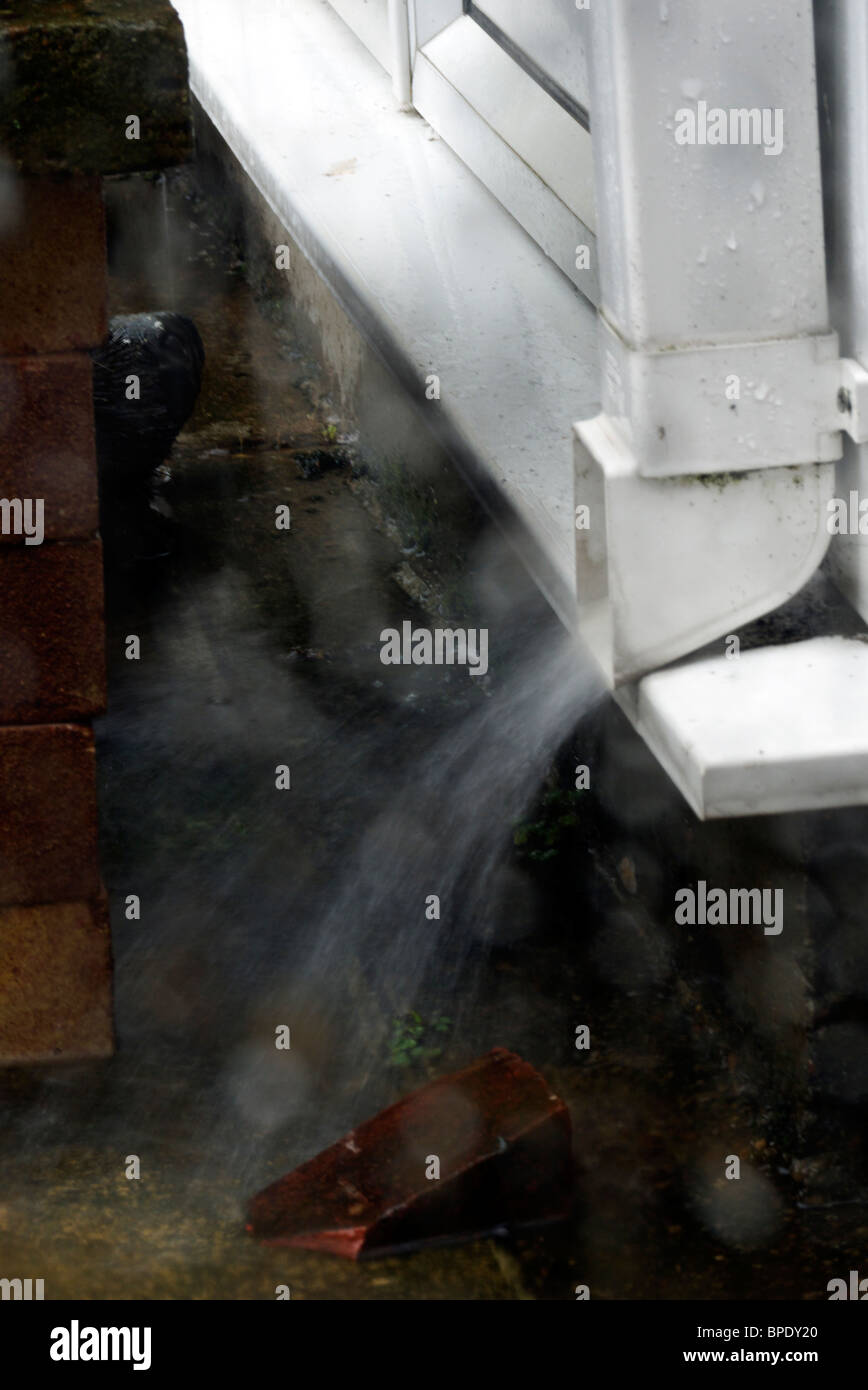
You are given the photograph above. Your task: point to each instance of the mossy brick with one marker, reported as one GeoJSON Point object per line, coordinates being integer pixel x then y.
{"type": "Point", "coordinates": [72, 71]}
{"type": "Point", "coordinates": [53, 283]}
{"type": "Point", "coordinates": [52, 646]}
{"type": "Point", "coordinates": [55, 982]}
{"type": "Point", "coordinates": [47, 449]}
{"type": "Point", "coordinates": [48, 849]}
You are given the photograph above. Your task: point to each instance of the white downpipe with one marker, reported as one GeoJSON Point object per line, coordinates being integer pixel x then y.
{"type": "Point", "coordinates": [399, 38]}
{"type": "Point", "coordinates": [843, 57]}
{"type": "Point", "coordinates": [719, 365]}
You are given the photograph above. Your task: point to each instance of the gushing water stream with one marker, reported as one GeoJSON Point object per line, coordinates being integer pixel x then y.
{"type": "Point", "coordinates": [426, 893]}
{"type": "Point", "coordinates": [168, 255]}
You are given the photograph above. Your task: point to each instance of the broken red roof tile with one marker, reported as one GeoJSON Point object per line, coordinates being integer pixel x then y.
{"type": "Point", "coordinates": [497, 1137]}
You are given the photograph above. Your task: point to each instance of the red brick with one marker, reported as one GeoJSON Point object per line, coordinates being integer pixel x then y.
{"type": "Point", "coordinates": [48, 850]}
{"type": "Point", "coordinates": [55, 982]}
{"type": "Point", "coordinates": [52, 648]}
{"type": "Point", "coordinates": [47, 441]}
{"type": "Point", "coordinates": [52, 266]}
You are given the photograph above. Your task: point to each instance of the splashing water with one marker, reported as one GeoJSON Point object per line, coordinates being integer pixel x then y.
{"type": "Point", "coordinates": [378, 950]}
{"type": "Point", "coordinates": [168, 258]}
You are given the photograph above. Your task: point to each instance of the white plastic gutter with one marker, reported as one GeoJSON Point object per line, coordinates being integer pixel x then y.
{"type": "Point", "coordinates": [706, 480]}
{"type": "Point", "coordinates": [399, 36]}
{"type": "Point", "coordinates": [712, 267]}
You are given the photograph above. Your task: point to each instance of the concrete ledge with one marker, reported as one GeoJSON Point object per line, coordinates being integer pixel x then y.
{"type": "Point", "coordinates": [435, 274]}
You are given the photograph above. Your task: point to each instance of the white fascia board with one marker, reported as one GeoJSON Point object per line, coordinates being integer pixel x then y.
{"type": "Point", "coordinates": [369, 19]}
{"type": "Point", "coordinates": [509, 100]}
{"type": "Point", "coordinates": [512, 180]}
{"type": "Point", "coordinates": [775, 729]}
{"type": "Point", "coordinates": [429, 17]}
{"type": "Point", "coordinates": [554, 36]}
{"type": "Point", "coordinates": [431, 268]}
{"type": "Point", "coordinates": [842, 44]}
{"type": "Point", "coordinates": [534, 157]}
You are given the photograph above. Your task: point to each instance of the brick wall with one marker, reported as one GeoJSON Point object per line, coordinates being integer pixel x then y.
{"type": "Point", "coordinates": [55, 960]}
{"type": "Point", "coordinates": [74, 73]}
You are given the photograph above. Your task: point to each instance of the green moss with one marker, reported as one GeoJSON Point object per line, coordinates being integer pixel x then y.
{"type": "Point", "coordinates": [718, 481]}
{"type": "Point", "coordinates": [413, 1042]}
{"type": "Point", "coordinates": [411, 504]}
{"type": "Point", "coordinates": [556, 818]}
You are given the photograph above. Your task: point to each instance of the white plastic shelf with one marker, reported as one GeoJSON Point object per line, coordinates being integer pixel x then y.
{"type": "Point", "coordinates": [780, 728]}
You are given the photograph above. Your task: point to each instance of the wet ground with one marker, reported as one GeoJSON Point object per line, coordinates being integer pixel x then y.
{"type": "Point", "coordinates": [259, 648]}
